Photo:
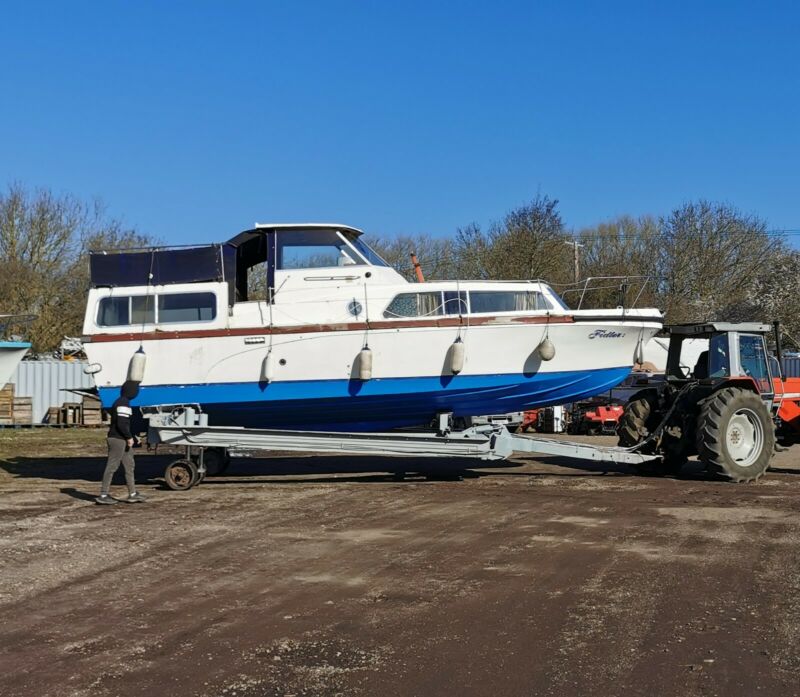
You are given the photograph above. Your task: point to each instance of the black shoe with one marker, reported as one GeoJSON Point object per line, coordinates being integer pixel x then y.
{"type": "Point", "coordinates": [135, 497]}
{"type": "Point", "coordinates": [105, 499]}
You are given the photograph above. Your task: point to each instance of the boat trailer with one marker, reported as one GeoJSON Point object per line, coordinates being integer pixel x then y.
{"type": "Point", "coordinates": [208, 448]}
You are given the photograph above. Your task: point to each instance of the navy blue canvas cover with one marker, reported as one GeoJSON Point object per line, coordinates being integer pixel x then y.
{"type": "Point", "coordinates": [169, 266]}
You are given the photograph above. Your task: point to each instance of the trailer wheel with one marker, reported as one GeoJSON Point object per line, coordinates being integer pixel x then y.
{"type": "Point", "coordinates": [735, 435]}
{"type": "Point", "coordinates": [181, 475]}
{"type": "Point", "coordinates": [636, 421]}
{"type": "Point", "coordinates": [216, 461]}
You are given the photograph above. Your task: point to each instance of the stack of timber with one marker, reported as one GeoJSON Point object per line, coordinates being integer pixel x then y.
{"type": "Point", "coordinates": [23, 411]}
{"type": "Point", "coordinates": [7, 405]}
{"type": "Point", "coordinates": [15, 411]}
{"type": "Point", "coordinates": [92, 412]}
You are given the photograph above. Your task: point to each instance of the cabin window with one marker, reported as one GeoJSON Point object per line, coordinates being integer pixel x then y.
{"type": "Point", "coordinates": [314, 249]}
{"type": "Point", "coordinates": [455, 302]}
{"type": "Point", "coordinates": [187, 307]}
{"type": "Point", "coordinates": [414, 305]}
{"type": "Point", "coordinates": [507, 301]}
{"type": "Point", "coordinates": [143, 309]}
{"type": "Point", "coordinates": [129, 310]}
{"type": "Point", "coordinates": [125, 309]}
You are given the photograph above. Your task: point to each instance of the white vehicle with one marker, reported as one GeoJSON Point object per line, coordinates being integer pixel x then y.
{"type": "Point", "coordinates": [340, 341]}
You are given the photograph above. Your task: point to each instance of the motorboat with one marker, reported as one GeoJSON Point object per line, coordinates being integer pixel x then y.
{"type": "Point", "coordinates": [305, 327]}
{"type": "Point", "coordinates": [12, 348]}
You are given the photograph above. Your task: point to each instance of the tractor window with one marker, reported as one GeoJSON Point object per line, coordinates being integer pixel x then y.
{"type": "Point", "coordinates": [753, 360]}
{"type": "Point", "coordinates": [719, 362]}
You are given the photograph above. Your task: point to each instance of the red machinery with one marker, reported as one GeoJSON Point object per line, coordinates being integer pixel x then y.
{"type": "Point", "coordinates": [594, 419]}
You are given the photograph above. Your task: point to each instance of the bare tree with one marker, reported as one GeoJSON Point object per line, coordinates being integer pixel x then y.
{"type": "Point", "coordinates": [434, 254]}
{"type": "Point", "coordinates": [702, 259]}
{"type": "Point", "coordinates": [775, 293]}
{"type": "Point", "coordinates": [624, 246]}
{"type": "Point", "coordinates": [709, 255]}
{"type": "Point", "coordinates": [527, 243]}
{"type": "Point", "coordinates": [44, 243]}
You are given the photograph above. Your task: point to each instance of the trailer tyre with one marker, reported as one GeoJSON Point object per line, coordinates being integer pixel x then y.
{"type": "Point", "coordinates": [216, 461]}
{"type": "Point", "coordinates": [637, 420]}
{"type": "Point", "coordinates": [181, 475]}
{"type": "Point", "coordinates": [735, 435]}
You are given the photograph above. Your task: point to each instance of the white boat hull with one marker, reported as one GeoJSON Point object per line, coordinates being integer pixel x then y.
{"type": "Point", "coordinates": [315, 381]}
{"type": "Point", "coordinates": [11, 353]}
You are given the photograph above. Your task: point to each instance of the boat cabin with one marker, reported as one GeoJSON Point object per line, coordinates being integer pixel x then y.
{"type": "Point", "coordinates": [298, 274]}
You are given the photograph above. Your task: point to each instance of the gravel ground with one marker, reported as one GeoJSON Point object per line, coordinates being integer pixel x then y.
{"type": "Point", "coordinates": [321, 575]}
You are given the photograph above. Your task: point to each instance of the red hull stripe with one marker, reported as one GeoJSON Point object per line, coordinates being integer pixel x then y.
{"type": "Point", "coordinates": [318, 328]}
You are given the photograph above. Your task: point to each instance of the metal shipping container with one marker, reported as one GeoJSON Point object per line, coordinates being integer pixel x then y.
{"type": "Point", "coordinates": [48, 382]}
{"type": "Point", "coordinates": [791, 367]}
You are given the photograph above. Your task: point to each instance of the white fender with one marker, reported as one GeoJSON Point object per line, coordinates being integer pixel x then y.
{"type": "Point", "coordinates": [365, 363]}
{"type": "Point", "coordinates": [546, 349]}
{"type": "Point", "coordinates": [137, 365]}
{"type": "Point", "coordinates": [458, 352]}
{"type": "Point", "coordinates": [267, 368]}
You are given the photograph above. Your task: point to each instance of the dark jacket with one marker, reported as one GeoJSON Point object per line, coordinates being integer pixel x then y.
{"type": "Point", "coordinates": [120, 414]}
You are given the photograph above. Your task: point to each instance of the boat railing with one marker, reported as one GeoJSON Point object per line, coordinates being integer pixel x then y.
{"type": "Point", "coordinates": [598, 284]}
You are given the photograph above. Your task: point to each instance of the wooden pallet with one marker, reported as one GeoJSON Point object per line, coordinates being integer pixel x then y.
{"type": "Point", "coordinates": [92, 412]}
{"type": "Point", "coordinates": [7, 404]}
{"type": "Point", "coordinates": [23, 411]}
{"type": "Point", "coordinates": [70, 413]}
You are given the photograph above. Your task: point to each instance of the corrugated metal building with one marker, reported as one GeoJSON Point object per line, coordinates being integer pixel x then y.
{"type": "Point", "coordinates": [791, 367]}
{"type": "Point", "coordinates": [48, 382]}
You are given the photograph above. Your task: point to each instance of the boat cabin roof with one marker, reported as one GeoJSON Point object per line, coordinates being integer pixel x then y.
{"type": "Point", "coordinates": [288, 227]}
{"type": "Point", "coordinates": [227, 261]}
{"type": "Point", "coordinates": [260, 229]}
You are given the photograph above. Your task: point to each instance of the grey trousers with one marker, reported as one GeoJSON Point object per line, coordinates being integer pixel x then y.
{"type": "Point", "coordinates": [118, 454]}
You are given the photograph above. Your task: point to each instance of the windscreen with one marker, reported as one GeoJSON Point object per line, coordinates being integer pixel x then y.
{"type": "Point", "coordinates": [366, 251]}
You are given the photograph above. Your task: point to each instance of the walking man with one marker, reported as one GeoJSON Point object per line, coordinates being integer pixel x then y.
{"type": "Point", "coordinates": [120, 442]}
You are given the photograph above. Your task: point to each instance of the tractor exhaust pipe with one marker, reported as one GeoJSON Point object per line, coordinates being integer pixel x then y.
{"type": "Point", "coordinates": [778, 349]}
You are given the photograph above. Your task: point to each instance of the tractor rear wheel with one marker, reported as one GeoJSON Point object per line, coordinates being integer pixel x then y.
{"type": "Point", "coordinates": [637, 420]}
{"type": "Point", "coordinates": [735, 435]}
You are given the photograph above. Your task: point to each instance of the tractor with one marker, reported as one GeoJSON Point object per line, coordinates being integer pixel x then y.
{"type": "Point", "coordinates": [724, 409]}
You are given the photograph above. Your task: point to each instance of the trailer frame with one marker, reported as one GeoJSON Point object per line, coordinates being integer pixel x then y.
{"type": "Point", "coordinates": [185, 425]}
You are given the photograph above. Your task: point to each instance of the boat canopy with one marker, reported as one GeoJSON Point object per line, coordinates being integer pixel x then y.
{"type": "Point", "coordinates": [160, 266]}
{"type": "Point", "coordinates": [228, 261]}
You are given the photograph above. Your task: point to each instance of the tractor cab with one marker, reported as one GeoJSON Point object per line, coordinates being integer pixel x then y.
{"type": "Point", "coordinates": [728, 352]}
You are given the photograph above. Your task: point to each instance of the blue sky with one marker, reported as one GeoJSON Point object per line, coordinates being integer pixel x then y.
{"type": "Point", "coordinates": [193, 120]}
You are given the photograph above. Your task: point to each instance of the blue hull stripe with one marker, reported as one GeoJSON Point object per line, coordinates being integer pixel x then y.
{"type": "Point", "coordinates": [378, 404]}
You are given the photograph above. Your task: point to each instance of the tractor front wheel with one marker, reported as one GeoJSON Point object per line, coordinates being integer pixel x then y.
{"type": "Point", "coordinates": [735, 435]}
{"type": "Point", "coordinates": [636, 421]}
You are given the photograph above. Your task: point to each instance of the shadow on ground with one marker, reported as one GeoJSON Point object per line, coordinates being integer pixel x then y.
{"type": "Point", "coordinates": [320, 469]}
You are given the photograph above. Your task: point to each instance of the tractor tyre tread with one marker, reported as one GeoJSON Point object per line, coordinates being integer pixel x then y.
{"type": "Point", "coordinates": [633, 422]}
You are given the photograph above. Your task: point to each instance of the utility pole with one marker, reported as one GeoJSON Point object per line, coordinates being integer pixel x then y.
{"type": "Point", "coordinates": [576, 257]}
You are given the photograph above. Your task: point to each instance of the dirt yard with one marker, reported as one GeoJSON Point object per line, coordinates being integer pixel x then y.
{"type": "Point", "coordinates": [324, 575]}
